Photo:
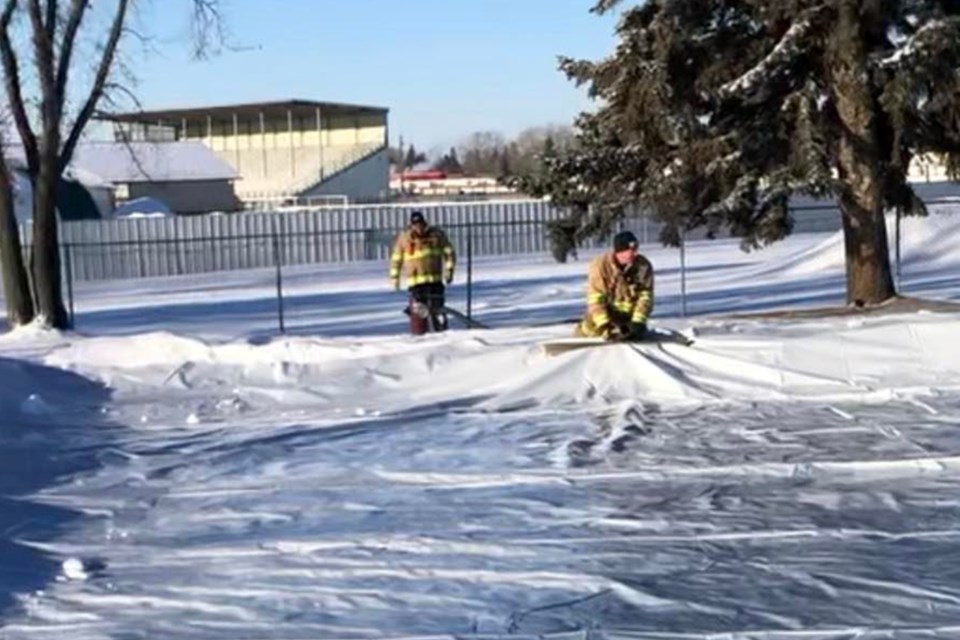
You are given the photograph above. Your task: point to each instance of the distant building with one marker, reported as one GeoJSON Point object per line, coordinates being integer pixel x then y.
{"type": "Point", "coordinates": [290, 151]}
{"type": "Point", "coordinates": [187, 176]}
{"type": "Point", "coordinates": [434, 184]}
{"type": "Point", "coordinates": [80, 195]}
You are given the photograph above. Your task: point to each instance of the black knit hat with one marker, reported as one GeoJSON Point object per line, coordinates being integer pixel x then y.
{"type": "Point", "coordinates": [417, 216]}
{"type": "Point", "coordinates": [624, 240]}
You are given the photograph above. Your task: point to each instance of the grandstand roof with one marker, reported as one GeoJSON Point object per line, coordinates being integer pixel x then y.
{"type": "Point", "coordinates": [306, 108]}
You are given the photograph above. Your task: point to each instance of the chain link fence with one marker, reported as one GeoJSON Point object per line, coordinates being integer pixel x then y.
{"type": "Point", "coordinates": [94, 251]}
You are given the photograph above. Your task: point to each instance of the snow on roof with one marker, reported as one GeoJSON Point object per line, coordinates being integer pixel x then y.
{"type": "Point", "coordinates": [86, 178]}
{"type": "Point", "coordinates": [96, 163]}
{"type": "Point", "coordinates": [152, 162]}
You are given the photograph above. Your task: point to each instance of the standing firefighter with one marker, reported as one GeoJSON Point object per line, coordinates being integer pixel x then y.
{"type": "Point", "coordinates": [428, 260]}
{"type": "Point", "coordinates": [619, 293]}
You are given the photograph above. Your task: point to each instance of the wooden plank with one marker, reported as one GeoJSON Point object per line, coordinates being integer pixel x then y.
{"type": "Point", "coordinates": [654, 336]}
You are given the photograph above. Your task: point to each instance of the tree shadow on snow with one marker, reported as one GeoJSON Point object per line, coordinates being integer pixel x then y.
{"type": "Point", "coordinates": [52, 427]}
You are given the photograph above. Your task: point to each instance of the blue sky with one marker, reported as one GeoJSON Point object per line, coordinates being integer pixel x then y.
{"type": "Point", "coordinates": [444, 68]}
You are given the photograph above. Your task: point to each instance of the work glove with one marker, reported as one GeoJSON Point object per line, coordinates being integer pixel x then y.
{"type": "Point", "coordinates": [614, 332]}
{"type": "Point", "coordinates": [638, 330]}
{"type": "Point", "coordinates": [448, 277]}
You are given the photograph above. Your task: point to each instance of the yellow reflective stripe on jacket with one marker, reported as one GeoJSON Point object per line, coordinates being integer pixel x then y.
{"type": "Point", "coordinates": [426, 278]}
{"type": "Point", "coordinates": [427, 252]}
{"type": "Point", "coordinates": [596, 309]}
{"type": "Point", "coordinates": [643, 307]}
{"type": "Point", "coordinates": [396, 263]}
{"type": "Point", "coordinates": [449, 259]}
{"type": "Point", "coordinates": [600, 319]}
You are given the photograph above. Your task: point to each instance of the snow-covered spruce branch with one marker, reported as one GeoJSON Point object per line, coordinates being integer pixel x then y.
{"type": "Point", "coordinates": [723, 163]}
{"type": "Point", "coordinates": [918, 43]}
{"type": "Point", "coordinates": [742, 196]}
{"type": "Point", "coordinates": [781, 57]}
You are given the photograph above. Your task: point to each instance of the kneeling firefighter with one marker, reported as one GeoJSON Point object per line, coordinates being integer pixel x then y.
{"type": "Point", "coordinates": [619, 293]}
{"type": "Point", "coordinates": [427, 260]}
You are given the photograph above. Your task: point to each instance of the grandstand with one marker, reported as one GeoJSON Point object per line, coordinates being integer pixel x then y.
{"type": "Point", "coordinates": [294, 150]}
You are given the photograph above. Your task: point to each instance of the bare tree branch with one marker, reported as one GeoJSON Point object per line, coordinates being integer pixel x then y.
{"type": "Point", "coordinates": [11, 74]}
{"type": "Point", "coordinates": [43, 58]}
{"type": "Point", "coordinates": [106, 62]}
{"type": "Point", "coordinates": [77, 10]}
{"type": "Point", "coordinates": [207, 26]}
{"type": "Point", "coordinates": [51, 19]}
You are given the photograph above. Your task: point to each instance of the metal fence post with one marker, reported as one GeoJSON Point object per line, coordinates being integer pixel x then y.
{"type": "Point", "coordinates": [178, 250]}
{"type": "Point", "coordinates": [898, 249]}
{"type": "Point", "coordinates": [278, 260]}
{"type": "Point", "coordinates": [683, 272]}
{"type": "Point", "coordinates": [68, 263]}
{"type": "Point", "coordinates": [141, 267]}
{"type": "Point", "coordinates": [469, 270]}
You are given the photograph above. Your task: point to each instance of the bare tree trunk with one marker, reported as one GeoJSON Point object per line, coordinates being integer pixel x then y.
{"type": "Point", "coordinates": [46, 249]}
{"type": "Point", "coordinates": [869, 278]}
{"type": "Point", "coordinates": [16, 286]}
{"type": "Point", "coordinates": [54, 28]}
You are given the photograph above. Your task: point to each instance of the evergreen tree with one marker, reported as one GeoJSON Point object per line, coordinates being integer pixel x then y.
{"type": "Point", "coordinates": [413, 158]}
{"type": "Point", "coordinates": [549, 147]}
{"type": "Point", "coordinates": [449, 163]}
{"type": "Point", "coordinates": [504, 162]}
{"type": "Point", "coordinates": [714, 112]}
{"type": "Point", "coordinates": [395, 156]}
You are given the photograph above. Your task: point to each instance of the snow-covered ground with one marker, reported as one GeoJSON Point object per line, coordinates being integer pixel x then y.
{"type": "Point", "coordinates": [177, 470]}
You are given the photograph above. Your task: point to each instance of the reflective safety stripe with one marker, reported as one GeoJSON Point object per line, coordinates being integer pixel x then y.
{"type": "Point", "coordinates": [429, 252]}
{"type": "Point", "coordinates": [424, 278]}
{"type": "Point", "coordinates": [396, 261]}
{"type": "Point", "coordinates": [595, 298]}
{"type": "Point", "coordinates": [643, 306]}
{"type": "Point", "coordinates": [601, 318]}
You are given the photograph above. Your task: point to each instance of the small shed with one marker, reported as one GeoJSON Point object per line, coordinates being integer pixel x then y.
{"type": "Point", "coordinates": [187, 176]}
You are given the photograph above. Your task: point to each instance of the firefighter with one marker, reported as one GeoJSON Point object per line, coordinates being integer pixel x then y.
{"type": "Point", "coordinates": [427, 259]}
{"type": "Point", "coordinates": [619, 293]}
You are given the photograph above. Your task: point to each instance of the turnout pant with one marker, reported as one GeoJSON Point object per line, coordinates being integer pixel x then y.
{"type": "Point", "coordinates": [426, 308]}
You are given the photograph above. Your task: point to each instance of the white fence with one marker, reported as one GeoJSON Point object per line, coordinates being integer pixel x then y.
{"type": "Point", "coordinates": [151, 247]}
{"type": "Point", "coordinates": [171, 246]}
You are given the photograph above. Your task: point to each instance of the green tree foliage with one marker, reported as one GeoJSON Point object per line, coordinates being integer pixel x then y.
{"type": "Point", "coordinates": [712, 113]}
{"type": "Point", "coordinates": [413, 157]}
{"type": "Point", "coordinates": [449, 162]}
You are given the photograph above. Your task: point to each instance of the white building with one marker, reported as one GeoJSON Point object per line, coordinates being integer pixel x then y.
{"type": "Point", "coordinates": [281, 151]}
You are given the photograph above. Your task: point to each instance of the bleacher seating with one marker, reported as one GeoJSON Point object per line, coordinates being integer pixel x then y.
{"type": "Point", "coordinates": [286, 170]}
